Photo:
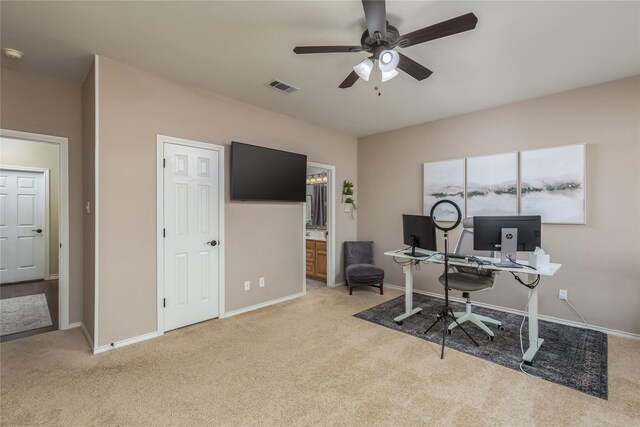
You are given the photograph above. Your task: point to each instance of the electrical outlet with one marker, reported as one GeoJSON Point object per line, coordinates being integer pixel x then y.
{"type": "Point", "coordinates": [247, 285]}
{"type": "Point", "coordinates": [563, 294]}
{"type": "Point", "coordinates": [261, 282]}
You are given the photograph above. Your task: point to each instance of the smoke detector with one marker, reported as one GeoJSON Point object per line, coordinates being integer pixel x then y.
{"type": "Point", "coordinates": [13, 54]}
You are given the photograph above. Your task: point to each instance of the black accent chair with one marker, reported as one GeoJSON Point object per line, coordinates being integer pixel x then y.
{"type": "Point", "coordinates": [358, 266]}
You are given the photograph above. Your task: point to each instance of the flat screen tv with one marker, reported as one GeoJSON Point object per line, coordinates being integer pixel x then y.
{"type": "Point", "coordinates": [259, 173]}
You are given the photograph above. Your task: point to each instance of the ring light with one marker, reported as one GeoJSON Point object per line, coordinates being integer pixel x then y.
{"type": "Point", "coordinates": [440, 226]}
{"type": "Point", "coordinates": [446, 313]}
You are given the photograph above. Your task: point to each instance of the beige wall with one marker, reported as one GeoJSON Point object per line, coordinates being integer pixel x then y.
{"type": "Point", "coordinates": [89, 218]}
{"type": "Point", "coordinates": [262, 239]}
{"type": "Point", "coordinates": [38, 155]}
{"type": "Point", "coordinates": [601, 268]}
{"type": "Point", "coordinates": [38, 104]}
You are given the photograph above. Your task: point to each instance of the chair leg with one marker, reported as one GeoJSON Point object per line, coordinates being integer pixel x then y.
{"type": "Point", "coordinates": [481, 325]}
{"type": "Point", "coordinates": [350, 290]}
{"type": "Point", "coordinates": [381, 290]}
{"type": "Point", "coordinates": [486, 319]}
{"type": "Point", "coordinates": [461, 317]}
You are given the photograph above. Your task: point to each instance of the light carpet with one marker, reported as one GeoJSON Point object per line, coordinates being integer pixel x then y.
{"type": "Point", "coordinates": [304, 362]}
{"type": "Point", "coordinates": [25, 313]}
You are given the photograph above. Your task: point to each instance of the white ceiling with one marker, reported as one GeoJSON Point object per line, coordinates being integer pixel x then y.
{"type": "Point", "coordinates": [519, 50]}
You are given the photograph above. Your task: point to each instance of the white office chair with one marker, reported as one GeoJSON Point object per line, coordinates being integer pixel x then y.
{"type": "Point", "coordinates": [471, 279]}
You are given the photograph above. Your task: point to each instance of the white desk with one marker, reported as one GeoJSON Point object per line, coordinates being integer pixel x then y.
{"type": "Point", "coordinates": [534, 340]}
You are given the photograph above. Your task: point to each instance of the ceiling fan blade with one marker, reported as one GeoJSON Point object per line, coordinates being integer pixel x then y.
{"type": "Point", "coordinates": [411, 67]}
{"type": "Point", "coordinates": [349, 81]}
{"type": "Point", "coordinates": [375, 12]}
{"type": "Point", "coordinates": [442, 29]}
{"type": "Point", "coordinates": [326, 49]}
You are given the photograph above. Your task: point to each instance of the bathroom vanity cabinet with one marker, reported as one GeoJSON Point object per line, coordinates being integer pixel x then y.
{"type": "Point", "coordinates": [317, 259]}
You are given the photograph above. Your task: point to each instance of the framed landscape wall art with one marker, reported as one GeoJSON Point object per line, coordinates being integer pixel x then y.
{"type": "Point", "coordinates": [553, 184]}
{"type": "Point", "coordinates": [444, 180]}
{"type": "Point", "coordinates": [492, 185]}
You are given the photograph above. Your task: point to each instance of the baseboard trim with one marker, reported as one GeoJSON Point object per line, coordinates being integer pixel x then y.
{"type": "Point", "coordinates": [74, 325]}
{"type": "Point", "coordinates": [86, 335]}
{"type": "Point", "coordinates": [123, 343]}
{"type": "Point", "coordinates": [521, 312]}
{"type": "Point", "coordinates": [54, 277]}
{"type": "Point", "coordinates": [263, 304]}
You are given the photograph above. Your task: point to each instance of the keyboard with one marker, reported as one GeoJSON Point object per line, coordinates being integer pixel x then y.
{"type": "Point", "coordinates": [471, 259]}
{"type": "Point", "coordinates": [457, 256]}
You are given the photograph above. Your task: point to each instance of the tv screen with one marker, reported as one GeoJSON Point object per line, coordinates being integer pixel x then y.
{"type": "Point", "coordinates": [259, 173]}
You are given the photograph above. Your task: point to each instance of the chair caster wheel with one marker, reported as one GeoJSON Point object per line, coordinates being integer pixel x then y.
{"type": "Point", "coordinates": [501, 328]}
{"type": "Point", "coordinates": [491, 338]}
{"type": "Point", "coordinates": [399, 323]}
{"type": "Point", "coordinates": [449, 331]}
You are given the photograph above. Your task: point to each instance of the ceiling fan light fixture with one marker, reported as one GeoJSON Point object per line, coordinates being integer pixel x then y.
{"type": "Point", "coordinates": [388, 60]}
{"type": "Point", "coordinates": [388, 75]}
{"type": "Point", "coordinates": [13, 54]}
{"type": "Point", "coordinates": [363, 69]}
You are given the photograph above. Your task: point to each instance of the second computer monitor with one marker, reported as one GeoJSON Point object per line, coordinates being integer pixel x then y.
{"type": "Point", "coordinates": [506, 234]}
{"type": "Point", "coordinates": [418, 232]}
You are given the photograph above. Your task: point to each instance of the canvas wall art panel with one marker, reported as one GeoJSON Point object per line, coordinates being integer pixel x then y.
{"type": "Point", "coordinates": [492, 185]}
{"type": "Point", "coordinates": [444, 180]}
{"type": "Point", "coordinates": [553, 184]}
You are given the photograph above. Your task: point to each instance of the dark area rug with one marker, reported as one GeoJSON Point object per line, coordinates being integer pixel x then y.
{"type": "Point", "coordinates": [573, 357]}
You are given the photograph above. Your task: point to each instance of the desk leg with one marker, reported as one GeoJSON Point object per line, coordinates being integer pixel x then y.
{"type": "Point", "coordinates": [408, 294]}
{"type": "Point", "coordinates": [534, 340]}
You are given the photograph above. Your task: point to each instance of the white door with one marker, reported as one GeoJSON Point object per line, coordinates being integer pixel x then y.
{"type": "Point", "coordinates": [191, 246]}
{"type": "Point", "coordinates": [22, 223]}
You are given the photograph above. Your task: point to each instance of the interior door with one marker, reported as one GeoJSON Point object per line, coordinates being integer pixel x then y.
{"type": "Point", "coordinates": [22, 223]}
{"type": "Point", "coordinates": [191, 246]}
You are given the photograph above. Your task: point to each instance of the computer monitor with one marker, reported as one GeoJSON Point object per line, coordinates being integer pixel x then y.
{"type": "Point", "coordinates": [418, 232]}
{"type": "Point", "coordinates": [507, 234]}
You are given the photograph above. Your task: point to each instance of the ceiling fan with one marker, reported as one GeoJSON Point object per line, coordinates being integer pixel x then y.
{"type": "Point", "coordinates": [380, 39]}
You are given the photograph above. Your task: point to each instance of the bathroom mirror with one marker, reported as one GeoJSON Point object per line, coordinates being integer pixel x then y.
{"type": "Point", "coordinates": [316, 201]}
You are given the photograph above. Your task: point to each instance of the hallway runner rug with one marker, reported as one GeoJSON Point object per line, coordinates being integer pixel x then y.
{"type": "Point", "coordinates": [21, 314]}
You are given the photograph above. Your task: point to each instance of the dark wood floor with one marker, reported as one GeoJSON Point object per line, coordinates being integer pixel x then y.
{"type": "Point", "coordinates": [47, 287]}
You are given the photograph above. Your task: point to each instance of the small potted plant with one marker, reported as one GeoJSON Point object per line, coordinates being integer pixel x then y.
{"type": "Point", "coordinates": [347, 188]}
{"type": "Point", "coordinates": [351, 204]}
{"type": "Point", "coordinates": [347, 197]}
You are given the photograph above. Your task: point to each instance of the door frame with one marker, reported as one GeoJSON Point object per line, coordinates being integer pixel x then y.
{"type": "Point", "coordinates": [160, 141]}
{"type": "Point", "coordinates": [45, 171]}
{"type": "Point", "coordinates": [331, 224]}
{"type": "Point", "coordinates": [63, 214]}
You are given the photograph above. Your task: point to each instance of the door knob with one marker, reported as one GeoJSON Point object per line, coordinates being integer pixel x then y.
{"type": "Point", "coordinates": [39, 230]}
{"type": "Point", "coordinates": [212, 243]}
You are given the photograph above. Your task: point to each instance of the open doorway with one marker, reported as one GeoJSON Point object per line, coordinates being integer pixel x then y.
{"type": "Point", "coordinates": [319, 226]}
{"type": "Point", "coordinates": [29, 237]}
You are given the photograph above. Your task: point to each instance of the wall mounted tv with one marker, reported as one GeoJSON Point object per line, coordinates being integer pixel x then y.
{"type": "Point", "coordinates": [259, 173]}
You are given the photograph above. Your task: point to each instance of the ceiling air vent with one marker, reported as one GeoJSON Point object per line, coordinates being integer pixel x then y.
{"type": "Point", "coordinates": [281, 86]}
